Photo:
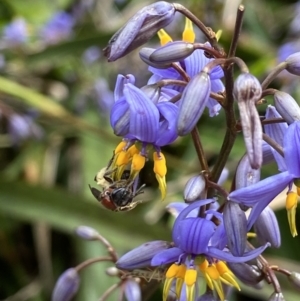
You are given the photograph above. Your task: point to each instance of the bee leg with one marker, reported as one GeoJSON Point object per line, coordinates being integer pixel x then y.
{"type": "Point", "coordinates": [96, 193]}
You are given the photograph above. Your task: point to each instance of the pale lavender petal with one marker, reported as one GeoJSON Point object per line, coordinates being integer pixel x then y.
{"type": "Point", "coordinates": [119, 117]}
{"type": "Point", "coordinates": [132, 290]}
{"type": "Point", "coordinates": [120, 82]}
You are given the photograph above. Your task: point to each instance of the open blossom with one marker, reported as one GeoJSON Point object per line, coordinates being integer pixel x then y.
{"type": "Point", "coordinates": [16, 32]}
{"type": "Point", "coordinates": [138, 115]}
{"type": "Point", "coordinates": [259, 195]}
{"type": "Point", "coordinates": [199, 247]}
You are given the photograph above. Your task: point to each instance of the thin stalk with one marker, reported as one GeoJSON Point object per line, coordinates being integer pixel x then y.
{"type": "Point", "coordinates": [273, 74]}
{"type": "Point", "coordinates": [91, 261]}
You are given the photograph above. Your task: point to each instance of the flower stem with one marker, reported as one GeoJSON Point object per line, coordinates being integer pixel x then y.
{"type": "Point", "coordinates": [91, 261]}
{"type": "Point", "coordinates": [273, 74]}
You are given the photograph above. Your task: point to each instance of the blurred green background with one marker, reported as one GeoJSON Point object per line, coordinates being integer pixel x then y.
{"type": "Point", "coordinates": [55, 92]}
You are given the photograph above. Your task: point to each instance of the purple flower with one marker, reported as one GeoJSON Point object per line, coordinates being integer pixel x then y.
{"type": "Point", "coordinates": [199, 244]}
{"type": "Point", "coordinates": [260, 194]}
{"type": "Point", "coordinates": [58, 28]}
{"type": "Point", "coordinates": [16, 32]}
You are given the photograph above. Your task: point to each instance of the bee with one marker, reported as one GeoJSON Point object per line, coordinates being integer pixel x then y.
{"type": "Point", "coordinates": [117, 195]}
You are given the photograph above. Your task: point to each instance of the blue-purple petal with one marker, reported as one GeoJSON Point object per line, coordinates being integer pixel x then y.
{"type": "Point", "coordinates": [193, 235]}
{"type": "Point", "coordinates": [291, 145]}
{"type": "Point", "coordinates": [132, 290]}
{"type": "Point", "coordinates": [167, 256]}
{"type": "Point", "coordinates": [263, 191]}
{"type": "Point", "coordinates": [226, 256]}
{"type": "Point", "coordinates": [144, 116]}
{"type": "Point", "coordinates": [167, 128]}
{"type": "Point", "coordinates": [119, 86]}
{"type": "Point", "coordinates": [119, 117]}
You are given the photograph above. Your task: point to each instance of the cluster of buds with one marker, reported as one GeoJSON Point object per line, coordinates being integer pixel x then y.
{"type": "Point", "coordinates": [211, 236]}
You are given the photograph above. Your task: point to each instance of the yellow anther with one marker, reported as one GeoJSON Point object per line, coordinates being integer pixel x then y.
{"type": "Point", "coordinates": [203, 266]}
{"type": "Point", "coordinates": [180, 278]}
{"type": "Point", "coordinates": [222, 267]}
{"type": "Point", "coordinates": [167, 287]}
{"type": "Point", "coordinates": [132, 150]}
{"type": "Point", "coordinates": [291, 205]}
{"type": "Point", "coordinates": [190, 277]}
{"type": "Point", "coordinates": [181, 271]}
{"type": "Point", "coordinates": [120, 147]}
{"type": "Point", "coordinates": [160, 166]}
{"type": "Point", "coordinates": [188, 34]}
{"type": "Point", "coordinates": [172, 271]}
{"type": "Point", "coordinates": [226, 275]}
{"type": "Point", "coordinates": [138, 162]}
{"type": "Point", "coordinates": [291, 200]}
{"type": "Point", "coordinates": [123, 158]}
{"type": "Point", "coordinates": [164, 37]}
{"type": "Point", "coordinates": [212, 272]}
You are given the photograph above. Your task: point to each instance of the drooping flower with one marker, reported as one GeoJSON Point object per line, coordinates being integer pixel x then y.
{"type": "Point", "coordinates": [199, 245]}
{"type": "Point", "coordinates": [147, 122]}
{"type": "Point", "coordinates": [259, 195]}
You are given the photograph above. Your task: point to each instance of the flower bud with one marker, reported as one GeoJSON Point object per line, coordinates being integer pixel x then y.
{"type": "Point", "coordinates": [294, 278]}
{"type": "Point", "coordinates": [235, 224]}
{"type": "Point", "coordinates": [293, 63]}
{"type": "Point", "coordinates": [247, 91]}
{"type": "Point", "coordinates": [87, 233]}
{"type": "Point", "coordinates": [112, 271]}
{"type": "Point", "coordinates": [193, 101]}
{"type": "Point", "coordinates": [245, 175]}
{"type": "Point", "coordinates": [172, 52]}
{"type": "Point", "coordinates": [267, 229]}
{"type": "Point", "coordinates": [276, 297]}
{"type": "Point", "coordinates": [139, 29]}
{"type": "Point", "coordinates": [248, 274]}
{"type": "Point", "coordinates": [287, 106]}
{"type": "Point", "coordinates": [141, 256]}
{"type": "Point", "coordinates": [194, 188]}
{"type": "Point", "coordinates": [145, 54]}
{"type": "Point", "coordinates": [132, 290]}
{"type": "Point", "coordinates": [66, 286]}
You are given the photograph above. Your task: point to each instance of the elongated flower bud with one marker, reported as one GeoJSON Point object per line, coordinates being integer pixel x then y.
{"type": "Point", "coordinates": [267, 229]}
{"type": "Point", "coordinates": [247, 91]}
{"type": "Point", "coordinates": [235, 223]}
{"type": "Point", "coordinates": [276, 297]}
{"type": "Point", "coordinates": [294, 278]}
{"type": "Point", "coordinates": [139, 29]}
{"type": "Point", "coordinates": [287, 107]}
{"type": "Point", "coordinates": [194, 188]}
{"type": "Point", "coordinates": [145, 54]}
{"type": "Point", "coordinates": [141, 256]}
{"type": "Point", "coordinates": [248, 274]}
{"type": "Point", "coordinates": [245, 174]}
{"type": "Point", "coordinates": [193, 101]}
{"type": "Point", "coordinates": [87, 233]}
{"type": "Point", "coordinates": [66, 286]}
{"type": "Point", "coordinates": [172, 52]}
{"type": "Point", "coordinates": [293, 63]}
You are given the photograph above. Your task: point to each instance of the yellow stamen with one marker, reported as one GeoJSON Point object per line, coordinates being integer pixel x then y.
{"type": "Point", "coordinates": [160, 170]}
{"type": "Point", "coordinates": [214, 275]}
{"type": "Point", "coordinates": [132, 150]}
{"type": "Point", "coordinates": [180, 278]}
{"type": "Point", "coordinates": [188, 34]}
{"type": "Point", "coordinates": [120, 147]}
{"type": "Point", "coordinates": [170, 275]}
{"type": "Point", "coordinates": [226, 275]}
{"type": "Point", "coordinates": [164, 37]}
{"type": "Point", "coordinates": [190, 280]}
{"type": "Point", "coordinates": [251, 235]}
{"type": "Point", "coordinates": [203, 266]}
{"type": "Point", "coordinates": [291, 205]}
{"type": "Point", "coordinates": [138, 162]}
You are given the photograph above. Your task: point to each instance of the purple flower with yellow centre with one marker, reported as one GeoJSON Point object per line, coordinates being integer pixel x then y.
{"type": "Point", "coordinates": [193, 61]}
{"type": "Point", "coordinates": [260, 194]}
{"type": "Point", "coordinates": [199, 246]}
{"type": "Point", "coordinates": [146, 121]}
